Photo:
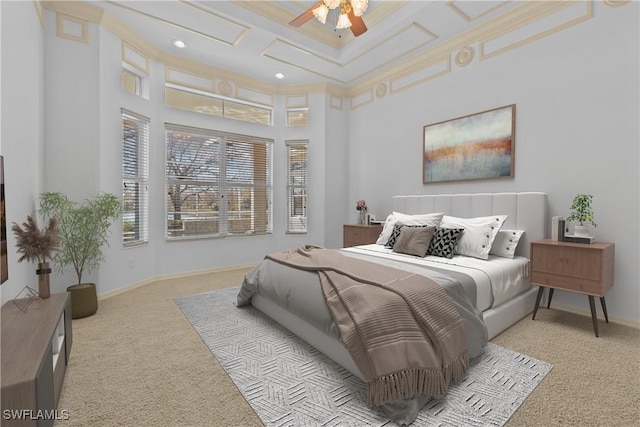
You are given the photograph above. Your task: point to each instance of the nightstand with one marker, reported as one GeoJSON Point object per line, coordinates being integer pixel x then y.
{"type": "Point", "coordinates": [576, 267]}
{"type": "Point", "coordinates": [360, 234]}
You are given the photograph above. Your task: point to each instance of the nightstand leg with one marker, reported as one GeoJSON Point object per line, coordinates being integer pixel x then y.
{"type": "Point", "coordinates": [535, 310]}
{"type": "Point", "coordinates": [604, 309]}
{"type": "Point", "coordinates": [550, 296]}
{"type": "Point", "coordinates": [592, 305]}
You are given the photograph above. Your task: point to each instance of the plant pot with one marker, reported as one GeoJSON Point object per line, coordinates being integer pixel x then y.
{"type": "Point", "coordinates": [43, 272]}
{"type": "Point", "coordinates": [581, 230]}
{"type": "Point", "coordinates": [84, 300]}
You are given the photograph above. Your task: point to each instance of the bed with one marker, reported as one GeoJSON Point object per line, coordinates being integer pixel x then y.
{"type": "Point", "coordinates": [502, 292]}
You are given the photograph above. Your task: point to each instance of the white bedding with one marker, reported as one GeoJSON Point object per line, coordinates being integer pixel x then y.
{"type": "Point", "coordinates": [498, 279]}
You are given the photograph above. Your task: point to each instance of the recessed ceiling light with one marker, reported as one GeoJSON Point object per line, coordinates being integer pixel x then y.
{"type": "Point", "coordinates": [279, 76]}
{"type": "Point", "coordinates": [179, 43]}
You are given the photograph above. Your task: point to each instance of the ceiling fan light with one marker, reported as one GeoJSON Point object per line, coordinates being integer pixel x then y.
{"type": "Point", "coordinates": [321, 12]}
{"type": "Point", "coordinates": [359, 6]}
{"type": "Point", "coordinates": [343, 21]}
{"type": "Point", "coordinates": [332, 4]}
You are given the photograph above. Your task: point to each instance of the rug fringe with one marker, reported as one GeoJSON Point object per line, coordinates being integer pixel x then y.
{"type": "Point", "coordinates": [409, 382]}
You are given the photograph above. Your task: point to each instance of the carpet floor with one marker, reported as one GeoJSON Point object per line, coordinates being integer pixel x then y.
{"type": "Point", "coordinates": [139, 362]}
{"type": "Point", "coordinates": [290, 383]}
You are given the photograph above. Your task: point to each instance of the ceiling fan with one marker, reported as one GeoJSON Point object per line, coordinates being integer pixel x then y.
{"type": "Point", "coordinates": [350, 15]}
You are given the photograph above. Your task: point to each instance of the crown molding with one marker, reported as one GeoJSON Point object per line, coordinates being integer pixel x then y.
{"type": "Point", "coordinates": [502, 24]}
{"type": "Point", "coordinates": [514, 19]}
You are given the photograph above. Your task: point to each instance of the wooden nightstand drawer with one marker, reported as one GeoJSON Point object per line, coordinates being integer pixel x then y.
{"type": "Point", "coordinates": [357, 234]}
{"type": "Point", "coordinates": [568, 283]}
{"type": "Point", "coordinates": [567, 261]}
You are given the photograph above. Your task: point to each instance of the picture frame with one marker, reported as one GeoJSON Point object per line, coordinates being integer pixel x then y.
{"type": "Point", "coordinates": [473, 147]}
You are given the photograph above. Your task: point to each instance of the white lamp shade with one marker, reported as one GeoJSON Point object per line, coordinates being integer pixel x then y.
{"type": "Point", "coordinates": [332, 4]}
{"type": "Point", "coordinates": [321, 12]}
{"type": "Point", "coordinates": [343, 21]}
{"type": "Point", "coordinates": [359, 6]}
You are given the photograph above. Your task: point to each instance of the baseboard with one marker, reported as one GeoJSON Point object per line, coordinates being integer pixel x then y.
{"type": "Point", "coordinates": [633, 323]}
{"type": "Point", "coordinates": [171, 277]}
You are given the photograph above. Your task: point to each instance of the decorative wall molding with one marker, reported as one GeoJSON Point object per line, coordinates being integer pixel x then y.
{"type": "Point", "coordinates": [616, 3]}
{"type": "Point", "coordinates": [516, 18]}
{"type": "Point", "coordinates": [131, 56]}
{"type": "Point", "coordinates": [40, 11]}
{"type": "Point", "coordinates": [297, 101]}
{"type": "Point", "coordinates": [511, 38]}
{"type": "Point", "coordinates": [335, 102]}
{"type": "Point", "coordinates": [464, 56]}
{"type": "Point", "coordinates": [525, 23]}
{"type": "Point", "coordinates": [70, 28]}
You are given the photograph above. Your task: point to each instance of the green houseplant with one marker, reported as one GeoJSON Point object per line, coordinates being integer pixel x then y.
{"type": "Point", "coordinates": [35, 244]}
{"type": "Point", "coordinates": [84, 229]}
{"type": "Point", "coordinates": [582, 213]}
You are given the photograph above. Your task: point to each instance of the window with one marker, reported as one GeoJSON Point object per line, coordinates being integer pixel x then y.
{"type": "Point", "coordinates": [135, 171]}
{"type": "Point", "coordinates": [297, 186]}
{"type": "Point", "coordinates": [208, 103]}
{"type": "Point", "coordinates": [297, 117]}
{"type": "Point", "coordinates": [131, 82]}
{"type": "Point", "coordinates": [135, 81]}
{"type": "Point", "coordinates": [218, 184]}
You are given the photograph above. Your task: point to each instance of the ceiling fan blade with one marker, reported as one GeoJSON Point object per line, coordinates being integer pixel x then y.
{"type": "Point", "coordinates": [305, 17]}
{"type": "Point", "coordinates": [357, 24]}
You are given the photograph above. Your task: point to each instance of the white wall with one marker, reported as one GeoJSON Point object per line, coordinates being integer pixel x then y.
{"type": "Point", "coordinates": [21, 86]}
{"type": "Point", "coordinates": [83, 122]}
{"type": "Point", "coordinates": [576, 93]}
{"type": "Point", "coordinates": [577, 96]}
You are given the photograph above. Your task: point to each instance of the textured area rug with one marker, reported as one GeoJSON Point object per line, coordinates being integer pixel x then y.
{"type": "Point", "coordinates": [290, 383]}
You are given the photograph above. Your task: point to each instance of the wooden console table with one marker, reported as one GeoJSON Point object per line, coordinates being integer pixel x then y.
{"type": "Point", "coordinates": [577, 267]}
{"type": "Point", "coordinates": [35, 351]}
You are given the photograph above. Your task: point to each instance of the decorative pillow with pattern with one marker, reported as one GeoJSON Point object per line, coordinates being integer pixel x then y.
{"type": "Point", "coordinates": [506, 243]}
{"type": "Point", "coordinates": [414, 240]}
{"type": "Point", "coordinates": [405, 219]}
{"type": "Point", "coordinates": [479, 234]}
{"type": "Point", "coordinates": [444, 241]}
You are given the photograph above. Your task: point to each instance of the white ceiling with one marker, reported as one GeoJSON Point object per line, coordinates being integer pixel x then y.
{"type": "Point", "coordinates": [253, 38]}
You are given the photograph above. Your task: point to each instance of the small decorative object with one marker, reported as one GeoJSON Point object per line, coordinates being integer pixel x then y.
{"type": "Point", "coordinates": [477, 146]}
{"type": "Point", "coordinates": [38, 245]}
{"type": "Point", "coordinates": [361, 207]}
{"type": "Point", "coordinates": [25, 297]}
{"type": "Point", "coordinates": [84, 228]}
{"type": "Point", "coordinates": [582, 213]}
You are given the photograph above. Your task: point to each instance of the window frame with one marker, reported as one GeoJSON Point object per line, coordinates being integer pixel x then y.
{"type": "Point", "coordinates": [292, 187]}
{"type": "Point", "coordinates": [140, 178]}
{"type": "Point", "coordinates": [223, 186]}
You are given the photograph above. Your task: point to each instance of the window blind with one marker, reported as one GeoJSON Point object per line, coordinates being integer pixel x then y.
{"type": "Point", "coordinates": [218, 183]}
{"type": "Point", "coordinates": [135, 174]}
{"type": "Point", "coordinates": [297, 176]}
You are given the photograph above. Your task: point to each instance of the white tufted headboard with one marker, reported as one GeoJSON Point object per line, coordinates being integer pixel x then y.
{"type": "Point", "coordinates": [527, 211]}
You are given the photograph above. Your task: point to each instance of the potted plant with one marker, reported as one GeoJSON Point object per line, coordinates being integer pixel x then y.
{"type": "Point", "coordinates": [582, 213]}
{"type": "Point", "coordinates": [38, 245]}
{"type": "Point", "coordinates": [84, 228]}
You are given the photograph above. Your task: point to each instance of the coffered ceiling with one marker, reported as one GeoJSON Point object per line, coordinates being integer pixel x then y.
{"type": "Point", "coordinates": [253, 38]}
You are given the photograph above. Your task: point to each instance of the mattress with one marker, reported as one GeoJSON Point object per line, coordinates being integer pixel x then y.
{"type": "Point", "coordinates": [497, 279]}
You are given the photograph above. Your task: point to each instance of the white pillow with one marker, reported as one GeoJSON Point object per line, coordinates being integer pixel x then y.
{"type": "Point", "coordinates": [406, 219]}
{"type": "Point", "coordinates": [479, 233]}
{"type": "Point", "coordinates": [506, 243]}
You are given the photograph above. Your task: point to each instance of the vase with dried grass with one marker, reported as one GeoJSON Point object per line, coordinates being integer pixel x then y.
{"type": "Point", "coordinates": [35, 244]}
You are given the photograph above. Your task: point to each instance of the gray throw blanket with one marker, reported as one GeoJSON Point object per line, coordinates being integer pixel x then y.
{"type": "Point", "coordinates": [416, 341]}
